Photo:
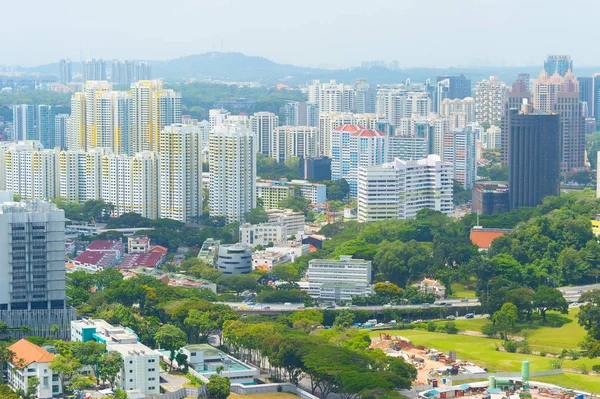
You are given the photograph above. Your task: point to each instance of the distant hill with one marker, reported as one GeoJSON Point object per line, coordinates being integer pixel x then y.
{"type": "Point", "coordinates": [240, 67]}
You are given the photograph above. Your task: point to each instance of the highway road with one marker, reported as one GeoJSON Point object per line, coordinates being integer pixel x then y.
{"type": "Point", "coordinates": [279, 307]}
{"type": "Point", "coordinates": [572, 294]}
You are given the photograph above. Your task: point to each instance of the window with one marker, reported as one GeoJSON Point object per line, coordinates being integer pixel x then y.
{"type": "Point", "coordinates": [131, 371]}
{"type": "Point", "coordinates": [131, 380]}
{"type": "Point", "coordinates": [152, 369]}
{"type": "Point", "coordinates": [131, 362]}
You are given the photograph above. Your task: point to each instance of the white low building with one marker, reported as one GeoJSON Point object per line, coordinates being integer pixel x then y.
{"type": "Point", "coordinates": [33, 361]}
{"type": "Point", "coordinates": [292, 222]}
{"type": "Point", "coordinates": [338, 280]}
{"type": "Point", "coordinates": [205, 359]}
{"type": "Point", "coordinates": [261, 234]}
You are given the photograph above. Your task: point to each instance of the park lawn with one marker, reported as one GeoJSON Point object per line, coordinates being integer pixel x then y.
{"type": "Point", "coordinates": [482, 351]}
{"type": "Point", "coordinates": [459, 291]}
{"type": "Point", "coordinates": [589, 383]}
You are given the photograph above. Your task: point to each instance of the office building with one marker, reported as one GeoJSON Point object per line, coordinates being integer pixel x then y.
{"type": "Point", "coordinates": [232, 162]}
{"type": "Point", "coordinates": [291, 221]}
{"type": "Point", "coordinates": [234, 259]}
{"type": "Point", "coordinates": [299, 113]}
{"type": "Point", "coordinates": [338, 280]}
{"type": "Point", "coordinates": [407, 148]}
{"type": "Point", "coordinates": [460, 150]}
{"type": "Point", "coordinates": [490, 96]}
{"type": "Point", "coordinates": [559, 64]}
{"type": "Point", "coordinates": [143, 71]}
{"type": "Point", "coordinates": [490, 197]}
{"type": "Point", "coordinates": [24, 122]}
{"type": "Point", "coordinates": [140, 372]}
{"type": "Point", "coordinates": [354, 147]}
{"type": "Point", "coordinates": [452, 87]}
{"type": "Point", "coordinates": [180, 179]}
{"type": "Point", "coordinates": [586, 95]}
{"type": "Point", "coordinates": [263, 125]}
{"type": "Point", "coordinates": [295, 142]}
{"type": "Point", "coordinates": [534, 157]}
{"type": "Point", "coordinates": [332, 96]}
{"type": "Point", "coordinates": [32, 361]}
{"type": "Point", "coordinates": [519, 94]}
{"type": "Point", "coordinates": [65, 71]}
{"type": "Point", "coordinates": [315, 168]}
{"type": "Point", "coordinates": [264, 234]}
{"type": "Point", "coordinates": [32, 270]}
{"type": "Point", "coordinates": [122, 72]}
{"type": "Point", "coordinates": [61, 131]}
{"type": "Point", "coordinates": [93, 69]}
{"type": "Point", "coordinates": [399, 189]}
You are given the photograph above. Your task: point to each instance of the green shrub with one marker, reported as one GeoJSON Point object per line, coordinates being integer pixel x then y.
{"type": "Point", "coordinates": [489, 330]}
{"type": "Point", "coordinates": [431, 326]}
{"type": "Point", "coordinates": [596, 368]}
{"type": "Point", "coordinates": [450, 327]}
{"type": "Point", "coordinates": [510, 346]}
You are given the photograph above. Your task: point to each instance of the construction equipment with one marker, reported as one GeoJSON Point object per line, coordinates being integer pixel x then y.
{"type": "Point", "coordinates": [385, 336]}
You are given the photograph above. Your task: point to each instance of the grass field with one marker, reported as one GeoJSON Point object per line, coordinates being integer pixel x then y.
{"type": "Point", "coordinates": [483, 351]}
{"type": "Point", "coordinates": [589, 383]}
{"type": "Point", "coordinates": [459, 291]}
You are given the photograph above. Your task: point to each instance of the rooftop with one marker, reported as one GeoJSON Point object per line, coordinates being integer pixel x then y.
{"type": "Point", "coordinates": [105, 245]}
{"type": "Point", "coordinates": [30, 353]}
{"type": "Point", "coordinates": [96, 258]}
{"type": "Point", "coordinates": [483, 237]}
{"type": "Point", "coordinates": [208, 350]}
{"type": "Point", "coordinates": [144, 259]}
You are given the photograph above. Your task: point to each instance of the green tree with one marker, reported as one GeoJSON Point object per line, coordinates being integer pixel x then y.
{"type": "Point", "coordinates": [337, 190]}
{"type": "Point", "coordinates": [88, 354]}
{"type": "Point", "coordinates": [109, 365]}
{"type": "Point", "coordinates": [589, 315]}
{"type": "Point", "coordinates": [506, 317]}
{"type": "Point", "coordinates": [294, 202]}
{"type": "Point", "coordinates": [171, 338]}
{"type": "Point", "coordinates": [218, 387]}
{"type": "Point", "coordinates": [199, 324]}
{"type": "Point", "coordinates": [286, 272]}
{"type": "Point", "coordinates": [238, 283]}
{"type": "Point", "coordinates": [65, 365]}
{"type": "Point", "coordinates": [344, 318]}
{"type": "Point", "coordinates": [32, 387]}
{"type": "Point", "coordinates": [257, 216]}
{"type": "Point", "coordinates": [547, 298]}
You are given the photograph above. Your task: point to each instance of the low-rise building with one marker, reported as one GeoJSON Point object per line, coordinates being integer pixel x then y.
{"type": "Point", "coordinates": [234, 259]}
{"type": "Point", "coordinates": [261, 234]}
{"type": "Point", "coordinates": [490, 197]}
{"type": "Point", "coordinates": [141, 368]}
{"type": "Point", "coordinates": [205, 359]}
{"type": "Point", "coordinates": [338, 280]}
{"type": "Point", "coordinates": [483, 237]}
{"type": "Point", "coordinates": [95, 261]}
{"type": "Point", "coordinates": [145, 259]}
{"type": "Point", "coordinates": [115, 247]}
{"type": "Point", "coordinates": [138, 244]}
{"type": "Point", "coordinates": [314, 193]}
{"type": "Point", "coordinates": [30, 361]}
{"type": "Point", "coordinates": [292, 222]}
{"type": "Point", "coordinates": [209, 250]}
{"type": "Point", "coordinates": [271, 192]}
{"type": "Point", "coordinates": [429, 286]}
{"type": "Point", "coordinates": [265, 260]}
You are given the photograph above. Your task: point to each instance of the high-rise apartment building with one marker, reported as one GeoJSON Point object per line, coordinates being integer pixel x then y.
{"type": "Point", "coordinates": [332, 96]}
{"type": "Point", "coordinates": [65, 71]}
{"type": "Point", "coordinates": [353, 147]}
{"type": "Point", "coordinates": [77, 130]}
{"type": "Point", "coordinates": [534, 157]}
{"type": "Point", "coordinates": [32, 270]}
{"type": "Point", "coordinates": [407, 148]}
{"type": "Point", "coordinates": [295, 141]}
{"type": "Point", "coordinates": [299, 113]}
{"type": "Point", "coordinates": [180, 179]}
{"type": "Point", "coordinates": [586, 95]}
{"type": "Point", "coordinates": [329, 121]}
{"type": "Point", "coordinates": [122, 72]}
{"type": "Point", "coordinates": [364, 97]}
{"type": "Point", "coordinates": [44, 116]}
{"type": "Point", "coordinates": [559, 64]}
{"type": "Point", "coordinates": [93, 69]}
{"type": "Point", "coordinates": [399, 189]}
{"type": "Point", "coordinates": [24, 122]}
{"type": "Point", "coordinates": [232, 162]}
{"type": "Point", "coordinates": [561, 95]}
{"type": "Point", "coordinates": [490, 96]}
{"type": "Point", "coordinates": [217, 117]}
{"type": "Point", "coordinates": [61, 129]}
{"type": "Point", "coordinates": [262, 125]}
{"type": "Point", "coordinates": [143, 71]}
{"type": "Point", "coordinates": [452, 87]}
{"type": "Point", "coordinates": [460, 150]}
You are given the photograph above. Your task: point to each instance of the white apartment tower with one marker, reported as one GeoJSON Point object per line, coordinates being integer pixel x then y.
{"type": "Point", "coordinates": [332, 96]}
{"type": "Point", "coordinates": [263, 124]}
{"type": "Point", "coordinates": [232, 162]}
{"type": "Point", "coordinates": [399, 189]}
{"type": "Point", "coordinates": [180, 172]}
{"type": "Point", "coordinates": [295, 141]}
{"type": "Point", "coordinates": [460, 148]}
{"type": "Point", "coordinates": [23, 122]}
{"type": "Point", "coordinates": [490, 97]}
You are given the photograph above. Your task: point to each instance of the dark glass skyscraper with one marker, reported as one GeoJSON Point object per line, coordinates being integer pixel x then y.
{"type": "Point", "coordinates": [533, 157]}
{"type": "Point", "coordinates": [518, 93]}
{"type": "Point", "coordinates": [586, 94]}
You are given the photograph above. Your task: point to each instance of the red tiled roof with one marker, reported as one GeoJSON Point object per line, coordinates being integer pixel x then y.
{"type": "Point", "coordinates": [348, 128]}
{"type": "Point", "coordinates": [105, 245]}
{"type": "Point", "coordinates": [95, 258]}
{"type": "Point", "coordinates": [483, 237]}
{"type": "Point", "coordinates": [145, 259]}
{"type": "Point", "coordinates": [30, 353]}
{"type": "Point", "coordinates": [160, 249]}
{"type": "Point", "coordinates": [368, 133]}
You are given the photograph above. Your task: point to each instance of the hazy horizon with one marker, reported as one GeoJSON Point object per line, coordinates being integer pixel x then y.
{"type": "Point", "coordinates": [417, 33]}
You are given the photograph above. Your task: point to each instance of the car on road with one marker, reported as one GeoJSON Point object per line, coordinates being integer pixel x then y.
{"type": "Point", "coordinates": [418, 321]}
{"type": "Point", "coordinates": [330, 306]}
{"type": "Point", "coordinates": [469, 316]}
{"type": "Point", "coordinates": [387, 305]}
{"type": "Point", "coordinates": [464, 299]}
{"type": "Point", "coordinates": [266, 307]}
{"type": "Point", "coordinates": [450, 318]}
{"type": "Point", "coordinates": [441, 303]}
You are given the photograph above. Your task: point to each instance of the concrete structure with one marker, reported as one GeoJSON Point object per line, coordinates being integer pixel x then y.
{"type": "Point", "coordinates": [138, 244]}
{"type": "Point", "coordinates": [61, 129]}
{"type": "Point", "coordinates": [32, 271]}
{"type": "Point", "coordinates": [263, 125]}
{"type": "Point", "coordinates": [295, 141]}
{"type": "Point", "coordinates": [30, 361]}
{"type": "Point", "coordinates": [452, 87]}
{"type": "Point", "coordinates": [329, 121]}
{"type": "Point", "coordinates": [331, 97]}
{"type": "Point", "coordinates": [519, 93]}
{"type": "Point", "coordinates": [65, 71]}
{"type": "Point", "coordinates": [493, 138]}
{"type": "Point", "coordinates": [398, 190]}
{"type": "Point", "coordinates": [232, 162]}
{"type": "Point", "coordinates": [354, 147]}
{"type": "Point", "coordinates": [122, 72]}
{"type": "Point", "coordinates": [141, 368]}
{"type": "Point", "coordinates": [234, 259]}
{"type": "Point", "coordinates": [24, 122]}
{"type": "Point", "coordinates": [93, 69]}
{"type": "Point", "coordinates": [261, 234]}
{"type": "Point", "coordinates": [533, 162]}
{"type": "Point", "coordinates": [407, 148]}
{"type": "Point", "coordinates": [301, 114]}
{"type": "Point", "coordinates": [271, 192]}
{"type": "Point", "coordinates": [460, 150]}
{"type": "Point", "coordinates": [490, 96]}
{"type": "Point", "coordinates": [292, 222]}
{"type": "Point", "coordinates": [338, 280]}
{"type": "Point", "coordinates": [205, 359]}
{"type": "Point", "coordinates": [180, 179]}
{"type": "Point", "coordinates": [315, 168]}
{"type": "Point", "coordinates": [429, 286]}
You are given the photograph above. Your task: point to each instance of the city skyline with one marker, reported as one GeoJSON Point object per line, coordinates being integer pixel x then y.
{"type": "Point", "coordinates": [486, 21]}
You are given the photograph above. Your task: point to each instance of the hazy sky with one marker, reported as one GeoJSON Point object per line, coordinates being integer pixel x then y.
{"type": "Point", "coordinates": [303, 32]}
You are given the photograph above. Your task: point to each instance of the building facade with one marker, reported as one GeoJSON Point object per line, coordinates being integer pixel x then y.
{"type": "Point", "coordinates": [490, 96]}
{"type": "Point", "coordinates": [234, 259]}
{"type": "Point", "coordinates": [265, 234]}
